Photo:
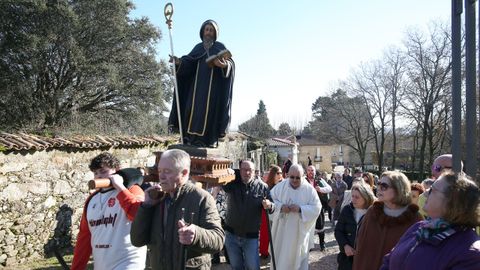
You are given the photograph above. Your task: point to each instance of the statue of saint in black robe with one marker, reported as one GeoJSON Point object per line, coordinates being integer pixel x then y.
{"type": "Point", "coordinates": [205, 93]}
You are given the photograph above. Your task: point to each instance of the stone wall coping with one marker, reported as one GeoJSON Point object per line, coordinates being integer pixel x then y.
{"type": "Point", "coordinates": [23, 141]}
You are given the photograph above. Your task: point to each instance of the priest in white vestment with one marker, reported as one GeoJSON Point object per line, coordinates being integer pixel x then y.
{"type": "Point", "coordinates": [297, 207]}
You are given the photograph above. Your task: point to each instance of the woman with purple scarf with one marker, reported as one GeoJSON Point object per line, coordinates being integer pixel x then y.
{"type": "Point", "coordinates": [447, 239]}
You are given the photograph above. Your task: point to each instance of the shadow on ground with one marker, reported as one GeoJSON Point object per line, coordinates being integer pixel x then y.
{"type": "Point", "coordinates": [323, 261]}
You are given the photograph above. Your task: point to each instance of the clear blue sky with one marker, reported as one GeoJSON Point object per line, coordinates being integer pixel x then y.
{"type": "Point", "coordinates": [288, 53]}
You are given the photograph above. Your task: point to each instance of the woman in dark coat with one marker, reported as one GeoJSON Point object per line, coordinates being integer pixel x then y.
{"type": "Point", "coordinates": [385, 221]}
{"type": "Point", "coordinates": [349, 221]}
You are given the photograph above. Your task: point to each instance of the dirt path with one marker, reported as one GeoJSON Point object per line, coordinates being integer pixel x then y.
{"type": "Point", "coordinates": [325, 260]}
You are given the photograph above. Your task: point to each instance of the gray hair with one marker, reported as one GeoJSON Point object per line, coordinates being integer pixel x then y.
{"type": "Point", "coordinates": [358, 180]}
{"type": "Point", "coordinates": [298, 168]}
{"type": "Point", "coordinates": [180, 159]}
{"type": "Point", "coordinates": [252, 165]}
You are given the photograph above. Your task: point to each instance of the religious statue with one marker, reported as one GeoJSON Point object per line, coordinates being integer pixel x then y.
{"type": "Point", "coordinates": [204, 84]}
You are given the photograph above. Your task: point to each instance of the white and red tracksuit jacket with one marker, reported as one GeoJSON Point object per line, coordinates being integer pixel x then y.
{"type": "Point", "coordinates": [105, 231]}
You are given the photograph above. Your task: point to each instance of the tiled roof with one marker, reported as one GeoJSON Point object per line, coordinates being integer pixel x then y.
{"type": "Point", "coordinates": [309, 141]}
{"type": "Point", "coordinates": [279, 142]}
{"type": "Point", "coordinates": [22, 141]}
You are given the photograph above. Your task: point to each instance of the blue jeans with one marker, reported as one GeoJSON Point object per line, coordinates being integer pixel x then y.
{"type": "Point", "coordinates": [243, 252]}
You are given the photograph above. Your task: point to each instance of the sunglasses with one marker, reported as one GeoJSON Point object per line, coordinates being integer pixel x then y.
{"type": "Point", "coordinates": [295, 177]}
{"type": "Point", "coordinates": [383, 186]}
{"type": "Point", "coordinates": [431, 189]}
{"type": "Point", "coordinates": [438, 168]}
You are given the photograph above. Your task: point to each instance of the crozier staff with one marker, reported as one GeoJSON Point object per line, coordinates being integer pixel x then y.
{"type": "Point", "coordinates": [204, 90]}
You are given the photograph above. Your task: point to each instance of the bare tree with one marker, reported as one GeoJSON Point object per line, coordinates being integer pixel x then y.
{"type": "Point", "coordinates": [342, 119]}
{"type": "Point", "coordinates": [428, 59]}
{"type": "Point", "coordinates": [368, 83]}
{"type": "Point", "coordinates": [394, 81]}
{"type": "Point", "coordinates": [380, 84]}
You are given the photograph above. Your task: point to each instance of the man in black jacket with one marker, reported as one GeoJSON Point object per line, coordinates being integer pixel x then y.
{"type": "Point", "coordinates": [246, 198]}
{"type": "Point", "coordinates": [347, 178]}
{"type": "Point", "coordinates": [323, 189]}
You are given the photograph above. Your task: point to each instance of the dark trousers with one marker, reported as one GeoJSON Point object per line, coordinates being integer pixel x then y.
{"type": "Point", "coordinates": [320, 224]}
{"type": "Point", "coordinates": [326, 209]}
{"type": "Point", "coordinates": [320, 227]}
{"type": "Point", "coordinates": [344, 262]}
{"type": "Point", "coordinates": [216, 256]}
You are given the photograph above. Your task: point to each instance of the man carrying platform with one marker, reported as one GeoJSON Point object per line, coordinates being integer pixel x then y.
{"type": "Point", "coordinates": [182, 228]}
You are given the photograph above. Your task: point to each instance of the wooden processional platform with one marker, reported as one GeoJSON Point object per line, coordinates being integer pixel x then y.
{"type": "Point", "coordinates": [206, 167]}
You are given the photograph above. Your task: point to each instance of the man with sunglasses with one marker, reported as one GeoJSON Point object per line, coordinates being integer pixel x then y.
{"type": "Point", "coordinates": [441, 164]}
{"type": "Point", "coordinates": [297, 209]}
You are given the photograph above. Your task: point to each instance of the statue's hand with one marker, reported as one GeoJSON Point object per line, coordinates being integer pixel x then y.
{"type": "Point", "coordinates": [174, 58]}
{"type": "Point", "coordinates": [220, 62]}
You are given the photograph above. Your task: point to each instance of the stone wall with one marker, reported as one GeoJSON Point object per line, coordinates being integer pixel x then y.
{"type": "Point", "coordinates": [234, 147]}
{"type": "Point", "coordinates": [42, 195]}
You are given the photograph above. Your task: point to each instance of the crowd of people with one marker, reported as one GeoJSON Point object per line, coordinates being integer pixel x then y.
{"type": "Point", "coordinates": [383, 222]}
{"type": "Point", "coordinates": [175, 224]}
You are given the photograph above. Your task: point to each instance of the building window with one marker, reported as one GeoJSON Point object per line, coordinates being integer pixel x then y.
{"type": "Point", "coordinates": [318, 158]}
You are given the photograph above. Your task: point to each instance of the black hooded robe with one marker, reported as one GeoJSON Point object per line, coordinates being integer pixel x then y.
{"type": "Point", "coordinates": [205, 95]}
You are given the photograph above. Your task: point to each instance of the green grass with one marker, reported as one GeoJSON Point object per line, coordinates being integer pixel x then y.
{"type": "Point", "coordinates": [45, 264]}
